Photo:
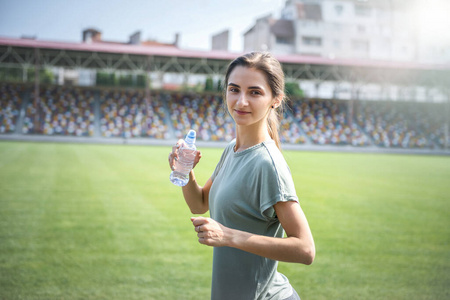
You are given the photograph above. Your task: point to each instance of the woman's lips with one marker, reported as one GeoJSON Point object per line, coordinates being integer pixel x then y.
{"type": "Point", "coordinates": [241, 113]}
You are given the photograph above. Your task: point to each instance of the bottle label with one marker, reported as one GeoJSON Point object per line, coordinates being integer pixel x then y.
{"type": "Point", "coordinates": [185, 160]}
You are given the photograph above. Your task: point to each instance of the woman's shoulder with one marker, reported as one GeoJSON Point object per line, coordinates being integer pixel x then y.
{"type": "Point", "coordinates": [272, 156]}
{"type": "Point", "coordinates": [272, 151]}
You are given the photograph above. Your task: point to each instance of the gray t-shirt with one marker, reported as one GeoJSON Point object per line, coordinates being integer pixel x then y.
{"type": "Point", "coordinates": [246, 186]}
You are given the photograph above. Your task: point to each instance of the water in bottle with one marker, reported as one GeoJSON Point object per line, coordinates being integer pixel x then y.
{"type": "Point", "coordinates": [186, 156]}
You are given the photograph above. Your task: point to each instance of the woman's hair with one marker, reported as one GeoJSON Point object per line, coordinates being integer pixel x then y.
{"type": "Point", "coordinates": [271, 67]}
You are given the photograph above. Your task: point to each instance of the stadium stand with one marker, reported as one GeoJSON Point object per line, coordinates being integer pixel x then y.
{"type": "Point", "coordinates": [205, 114]}
{"type": "Point", "coordinates": [402, 124]}
{"type": "Point", "coordinates": [61, 111]}
{"type": "Point", "coordinates": [326, 122]}
{"type": "Point", "coordinates": [290, 131]}
{"type": "Point", "coordinates": [10, 104]}
{"type": "Point", "coordinates": [124, 113]}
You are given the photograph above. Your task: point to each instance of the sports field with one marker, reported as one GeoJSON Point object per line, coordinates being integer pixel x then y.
{"type": "Point", "coordinates": [84, 221]}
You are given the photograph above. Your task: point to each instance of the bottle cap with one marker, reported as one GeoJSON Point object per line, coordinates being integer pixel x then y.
{"type": "Point", "coordinates": [190, 137]}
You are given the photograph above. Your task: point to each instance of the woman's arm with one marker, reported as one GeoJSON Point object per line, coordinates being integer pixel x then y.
{"type": "Point", "coordinates": [197, 197]}
{"type": "Point", "coordinates": [298, 246]}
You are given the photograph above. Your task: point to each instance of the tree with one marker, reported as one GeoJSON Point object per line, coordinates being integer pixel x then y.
{"type": "Point", "coordinates": [105, 79]}
{"type": "Point", "coordinates": [209, 85]}
{"type": "Point", "coordinates": [126, 80]}
{"type": "Point", "coordinates": [11, 74]}
{"type": "Point", "coordinates": [219, 85]}
{"type": "Point", "coordinates": [141, 80]}
{"type": "Point", "coordinates": [45, 75]}
{"type": "Point", "coordinates": [293, 89]}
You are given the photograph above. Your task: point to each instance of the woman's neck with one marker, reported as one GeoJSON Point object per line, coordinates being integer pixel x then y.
{"type": "Point", "coordinates": [247, 137]}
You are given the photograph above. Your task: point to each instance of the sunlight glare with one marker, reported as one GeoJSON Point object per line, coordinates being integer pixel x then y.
{"type": "Point", "coordinates": [433, 19]}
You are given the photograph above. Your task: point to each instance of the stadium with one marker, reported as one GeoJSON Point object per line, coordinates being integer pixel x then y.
{"type": "Point", "coordinates": [131, 112]}
{"type": "Point", "coordinates": [88, 212]}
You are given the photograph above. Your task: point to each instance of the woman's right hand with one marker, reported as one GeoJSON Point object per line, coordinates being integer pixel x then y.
{"type": "Point", "coordinates": [173, 156]}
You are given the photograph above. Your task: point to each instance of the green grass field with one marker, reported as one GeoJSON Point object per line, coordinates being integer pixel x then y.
{"type": "Point", "coordinates": [103, 222]}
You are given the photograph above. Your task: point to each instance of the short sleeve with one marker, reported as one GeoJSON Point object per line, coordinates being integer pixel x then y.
{"type": "Point", "coordinates": [276, 184]}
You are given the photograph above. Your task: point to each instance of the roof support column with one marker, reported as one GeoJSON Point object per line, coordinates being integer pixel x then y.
{"type": "Point", "coordinates": [36, 90]}
{"type": "Point", "coordinates": [24, 74]}
{"type": "Point", "coordinates": [354, 95]}
{"type": "Point", "coordinates": [447, 121]}
{"type": "Point", "coordinates": [147, 93]}
{"type": "Point", "coordinates": [147, 79]}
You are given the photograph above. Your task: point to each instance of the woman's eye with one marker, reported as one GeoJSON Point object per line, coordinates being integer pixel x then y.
{"type": "Point", "coordinates": [233, 90]}
{"type": "Point", "coordinates": [255, 92]}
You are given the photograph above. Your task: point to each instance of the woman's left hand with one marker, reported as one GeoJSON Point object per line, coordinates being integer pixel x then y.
{"type": "Point", "coordinates": [210, 232]}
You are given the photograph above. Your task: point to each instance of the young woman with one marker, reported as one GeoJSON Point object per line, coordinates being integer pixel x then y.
{"type": "Point", "coordinates": [251, 195]}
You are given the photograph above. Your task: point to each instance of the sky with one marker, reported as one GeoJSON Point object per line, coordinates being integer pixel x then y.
{"type": "Point", "coordinates": [196, 20]}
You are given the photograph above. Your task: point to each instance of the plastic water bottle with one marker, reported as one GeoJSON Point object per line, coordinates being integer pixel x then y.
{"type": "Point", "coordinates": [186, 156]}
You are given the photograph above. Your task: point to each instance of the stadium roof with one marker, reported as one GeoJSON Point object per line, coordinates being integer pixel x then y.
{"type": "Point", "coordinates": [22, 53]}
{"type": "Point", "coordinates": [214, 54]}
{"type": "Point", "coordinates": [115, 48]}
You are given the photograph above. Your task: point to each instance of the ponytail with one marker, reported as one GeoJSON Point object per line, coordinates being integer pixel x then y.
{"type": "Point", "coordinates": [273, 125]}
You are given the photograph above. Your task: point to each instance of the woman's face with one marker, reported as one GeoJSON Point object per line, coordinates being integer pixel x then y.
{"type": "Point", "coordinates": [249, 97]}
